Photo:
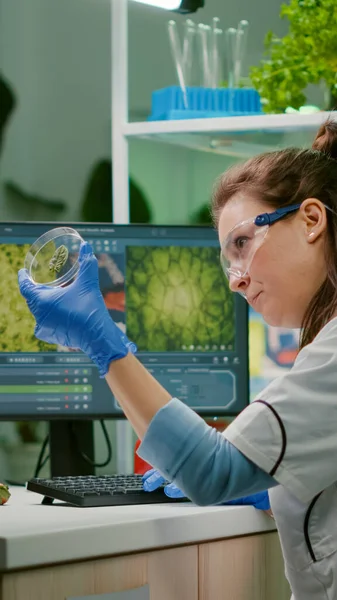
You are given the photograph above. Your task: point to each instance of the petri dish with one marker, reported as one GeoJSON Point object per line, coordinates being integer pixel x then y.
{"type": "Point", "coordinates": [53, 258]}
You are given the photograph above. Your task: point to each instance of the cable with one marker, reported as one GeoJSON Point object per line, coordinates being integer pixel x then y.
{"type": "Point", "coordinates": [108, 443]}
{"type": "Point", "coordinates": [41, 461]}
{"type": "Point", "coordinates": [45, 461]}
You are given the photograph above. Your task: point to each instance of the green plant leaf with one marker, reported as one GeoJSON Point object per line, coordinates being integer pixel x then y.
{"type": "Point", "coordinates": [307, 54]}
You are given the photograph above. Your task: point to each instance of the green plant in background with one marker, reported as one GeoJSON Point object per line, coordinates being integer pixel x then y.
{"type": "Point", "coordinates": [7, 106]}
{"type": "Point", "coordinates": [28, 431]}
{"type": "Point", "coordinates": [97, 198]}
{"type": "Point", "coordinates": [307, 54]}
{"type": "Point", "coordinates": [202, 216]}
{"type": "Point", "coordinates": [21, 199]}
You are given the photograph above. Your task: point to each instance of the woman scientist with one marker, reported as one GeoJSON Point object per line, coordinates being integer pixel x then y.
{"type": "Point", "coordinates": [277, 221]}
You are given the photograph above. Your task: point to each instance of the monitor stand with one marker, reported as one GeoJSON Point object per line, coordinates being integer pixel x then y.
{"type": "Point", "coordinates": [66, 438]}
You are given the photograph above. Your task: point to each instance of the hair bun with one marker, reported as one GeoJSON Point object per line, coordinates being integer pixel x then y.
{"type": "Point", "coordinates": [326, 139]}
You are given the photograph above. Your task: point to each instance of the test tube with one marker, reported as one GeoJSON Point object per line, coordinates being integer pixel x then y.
{"type": "Point", "coordinates": [240, 49]}
{"type": "Point", "coordinates": [204, 33]}
{"type": "Point", "coordinates": [188, 47]}
{"type": "Point", "coordinates": [177, 58]}
{"type": "Point", "coordinates": [215, 70]}
{"type": "Point", "coordinates": [230, 42]}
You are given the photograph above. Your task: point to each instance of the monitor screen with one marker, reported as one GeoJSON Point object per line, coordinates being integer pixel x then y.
{"type": "Point", "coordinates": [163, 286]}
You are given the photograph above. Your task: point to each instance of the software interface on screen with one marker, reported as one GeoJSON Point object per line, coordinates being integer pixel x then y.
{"type": "Point", "coordinates": [165, 288]}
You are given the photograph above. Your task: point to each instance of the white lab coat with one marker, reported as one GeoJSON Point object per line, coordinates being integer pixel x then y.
{"type": "Point", "coordinates": [290, 431]}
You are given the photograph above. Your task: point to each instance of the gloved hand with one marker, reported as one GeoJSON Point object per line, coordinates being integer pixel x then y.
{"type": "Point", "coordinates": [152, 479]}
{"type": "Point", "coordinates": [259, 501]}
{"type": "Point", "coordinates": [76, 316]}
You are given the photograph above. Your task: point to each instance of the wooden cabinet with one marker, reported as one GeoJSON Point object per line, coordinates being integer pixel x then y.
{"type": "Point", "coordinates": [172, 574]}
{"type": "Point", "coordinates": [244, 568]}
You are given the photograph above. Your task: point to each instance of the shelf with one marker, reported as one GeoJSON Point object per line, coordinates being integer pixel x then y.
{"type": "Point", "coordinates": [240, 137]}
{"type": "Point", "coordinates": [265, 123]}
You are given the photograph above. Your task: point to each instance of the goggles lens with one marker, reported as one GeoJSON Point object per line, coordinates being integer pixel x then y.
{"type": "Point", "coordinates": [239, 247]}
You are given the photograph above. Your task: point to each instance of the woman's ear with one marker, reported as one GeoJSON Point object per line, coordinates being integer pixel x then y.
{"type": "Point", "coordinates": [313, 213]}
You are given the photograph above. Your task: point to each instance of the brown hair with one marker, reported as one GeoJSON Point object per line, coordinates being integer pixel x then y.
{"type": "Point", "coordinates": [288, 177]}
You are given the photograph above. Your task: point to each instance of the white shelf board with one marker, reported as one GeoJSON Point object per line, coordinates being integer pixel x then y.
{"type": "Point", "coordinates": [240, 137]}
{"type": "Point", "coordinates": [281, 122]}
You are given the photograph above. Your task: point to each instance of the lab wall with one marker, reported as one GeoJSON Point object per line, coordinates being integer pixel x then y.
{"type": "Point", "coordinates": [178, 180]}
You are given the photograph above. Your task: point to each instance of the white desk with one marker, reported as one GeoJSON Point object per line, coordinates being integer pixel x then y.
{"type": "Point", "coordinates": [182, 551]}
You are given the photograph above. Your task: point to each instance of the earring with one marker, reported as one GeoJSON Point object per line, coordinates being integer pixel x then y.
{"type": "Point", "coordinates": [311, 234]}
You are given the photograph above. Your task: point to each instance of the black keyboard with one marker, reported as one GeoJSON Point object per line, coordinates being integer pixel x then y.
{"type": "Point", "coordinates": [95, 490]}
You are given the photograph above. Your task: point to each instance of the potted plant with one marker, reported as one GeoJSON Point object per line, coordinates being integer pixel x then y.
{"type": "Point", "coordinates": [306, 55]}
{"type": "Point", "coordinates": [28, 431]}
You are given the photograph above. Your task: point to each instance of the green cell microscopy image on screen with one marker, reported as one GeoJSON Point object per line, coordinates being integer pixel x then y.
{"type": "Point", "coordinates": [16, 322]}
{"type": "Point", "coordinates": [177, 299]}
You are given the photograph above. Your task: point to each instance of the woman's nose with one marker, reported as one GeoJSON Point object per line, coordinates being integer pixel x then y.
{"type": "Point", "coordinates": [239, 283]}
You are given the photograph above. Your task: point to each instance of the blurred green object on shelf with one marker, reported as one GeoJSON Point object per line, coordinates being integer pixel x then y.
{"type": "Point", "coordinates": [307, 109]}
{"type": "Point", "coordinates": [306, 55]}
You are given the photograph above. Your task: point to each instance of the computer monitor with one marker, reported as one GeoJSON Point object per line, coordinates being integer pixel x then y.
{"type": "Point", "coordinates": [164, 286]}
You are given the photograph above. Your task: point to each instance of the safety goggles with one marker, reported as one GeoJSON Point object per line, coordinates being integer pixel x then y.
{"type": "Point", "coordinates": [239, 247]}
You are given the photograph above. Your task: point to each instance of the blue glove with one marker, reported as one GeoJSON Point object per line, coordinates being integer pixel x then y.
{"type": "Point", "coordinates": [152, 479]}
{"type": "Point", "coordinates": [76, 316]}
{"type": "Point", "coordinates": [259, 501]}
